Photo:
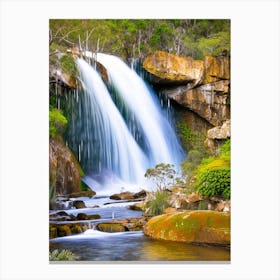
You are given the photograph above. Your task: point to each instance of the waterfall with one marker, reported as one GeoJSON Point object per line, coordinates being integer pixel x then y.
{"type": "Point", "coordinates": [160, 140]}
{"type": "Point", "coordinates": [119, 133]}
{"type": "Point", "coordinates": [118, 151]}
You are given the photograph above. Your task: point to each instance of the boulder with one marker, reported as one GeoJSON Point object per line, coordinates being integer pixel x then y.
{"type": "Point", "coordinates": [82, 216]}
{"type": "Point", "coordinates": [122, 196]}
{"type": "Point", "coordinates": [78, 204]}
{"type": "Point", "coordinates": [94, 217]}
{"type": "Point", "coordinates": [220, 132]}
{"type": "Point", "coordinates": [62, 213]}
{"type": "Point", "coordinates": [141, 194]}
{"type": "Point", "coordinates": [60, 230]}
{"type": "Point", "coordinates": [120, 225]}
{"type": "Point", "coordinates": [169, 69]}
{"type": "Point", "coordinates": [111, 227]}
{"type": "Point", "coordinates": [193, 197]}
{"type": "Point", "coordinates": [201, 227]}
{"type": "Point", "coordinates": [64, 168]}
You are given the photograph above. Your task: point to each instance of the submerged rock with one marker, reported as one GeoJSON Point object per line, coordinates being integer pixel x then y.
{"type": "Point", "coordinates": [79, 204]}
{"type": "Point", "coordinates": [204, 227]}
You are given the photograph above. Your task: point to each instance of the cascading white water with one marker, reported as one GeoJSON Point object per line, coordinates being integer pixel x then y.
{"type": "Point", "coordinates": [160, 139]}
{"type": "Point", "coordinates": [118, 135]}
{"type": "Point", "coordinates": [118, 151]}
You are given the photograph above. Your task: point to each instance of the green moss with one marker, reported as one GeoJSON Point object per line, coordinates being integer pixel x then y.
{"type": "Point", "coordinates": [84, 187]}
{"type": "Point", "coordinates": [111, 227]}
{"type": "Point", "coordinates": [57, 122]}
{"type": "Point", "coordinates": [68, 64]}
{"type": "Point", "coordinates": [191, 226]}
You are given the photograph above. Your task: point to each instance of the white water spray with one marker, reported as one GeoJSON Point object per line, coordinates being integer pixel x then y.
{"type": "Point", "coordinates": [160, 139]}
{"type": "Point", "coordinates": [118, 151]}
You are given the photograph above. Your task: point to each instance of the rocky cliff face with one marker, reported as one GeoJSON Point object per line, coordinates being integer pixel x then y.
{"type": "Point", "coordinates": [64, 168]}
{"type": "Point", "coordinates": [201, 86]}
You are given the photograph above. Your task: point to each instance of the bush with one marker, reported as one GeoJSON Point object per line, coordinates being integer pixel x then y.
{"type": "Point", "coordinates": [57, 122]}
{"type": "Point", "coordinates": [158, 204]}
{"type": "Point", "coordinates": [214, 182]}
{"type": "Point", "coordinates": [213, 174]}
{"type": "Point", "coordinates": [64, 255]}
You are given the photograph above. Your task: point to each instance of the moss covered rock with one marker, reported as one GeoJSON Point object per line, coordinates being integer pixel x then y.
{"type": "Point", "coordinates": [207, 227]}
{"type": "Point", "coordinates": [111, 227]}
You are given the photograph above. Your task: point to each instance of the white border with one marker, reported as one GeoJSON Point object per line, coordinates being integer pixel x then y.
{"type": "Point", "coordinates": [24, 138]}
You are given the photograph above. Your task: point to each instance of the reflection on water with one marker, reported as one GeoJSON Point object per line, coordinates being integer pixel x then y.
{"type": "Point", "coordinates": [135, 246]}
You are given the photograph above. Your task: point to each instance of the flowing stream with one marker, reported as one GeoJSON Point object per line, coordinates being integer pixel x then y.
{"type": "Point", "coordinates": [132, 246]}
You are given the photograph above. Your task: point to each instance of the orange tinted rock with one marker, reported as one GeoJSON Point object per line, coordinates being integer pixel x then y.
{"type": "Point", "coordinates": [216, 68]}
{"type": "Point", "coordinates": [169, 68]}
{"type": "Point", "coordinates": [193, 197]}
{"type": "Point", "coordinates": [209, 227]}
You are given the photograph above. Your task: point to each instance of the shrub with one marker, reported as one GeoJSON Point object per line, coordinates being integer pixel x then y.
{"type": "Point", "coordinates": [212, 176]}
{"type": "Point", "coordinates": [163, 175]}
{"type": "Point", "coordinates": [64, 255]}
{"type": "Point", "coordinates": [57, 122]}
{"type": "Point", "coordinates": [158, 204]}
{"type": "Point", "coordinates": [214, 182]}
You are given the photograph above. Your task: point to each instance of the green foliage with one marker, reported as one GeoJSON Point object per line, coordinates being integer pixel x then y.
{"type": "Point", "coordinates": [186, 133]}
{"type": "Point", "coordinates": [68, 64]}
{"type": "Point", "coordinates": [215, 44]}
{"type": "Point", "coordinates": [212, 176]}
{"type": "Point", "coordinates": [225, 148]}
{"type": "Point", "coordinates": [214, 182]}
{"type": "Point", "coordinates": [193, 141]}
{"type": "Point", "coordinates": [163, 175]}
{"type": "Point", "coordinates": [158, 204]}
{"type": "Point", "coordinates": [64, 255]}
{"type": "Point", "coordinates": [84, 187]}
{"type": "Point", "coordinates": [140, 37]}
{"type": "Point", "coordinates": [52, 195]}
{"type": "Point", "coordinates": [57, 122]}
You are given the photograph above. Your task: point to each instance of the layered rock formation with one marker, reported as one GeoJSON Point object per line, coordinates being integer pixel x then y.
{"type": "Point", "coordinates": [201, 86]}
